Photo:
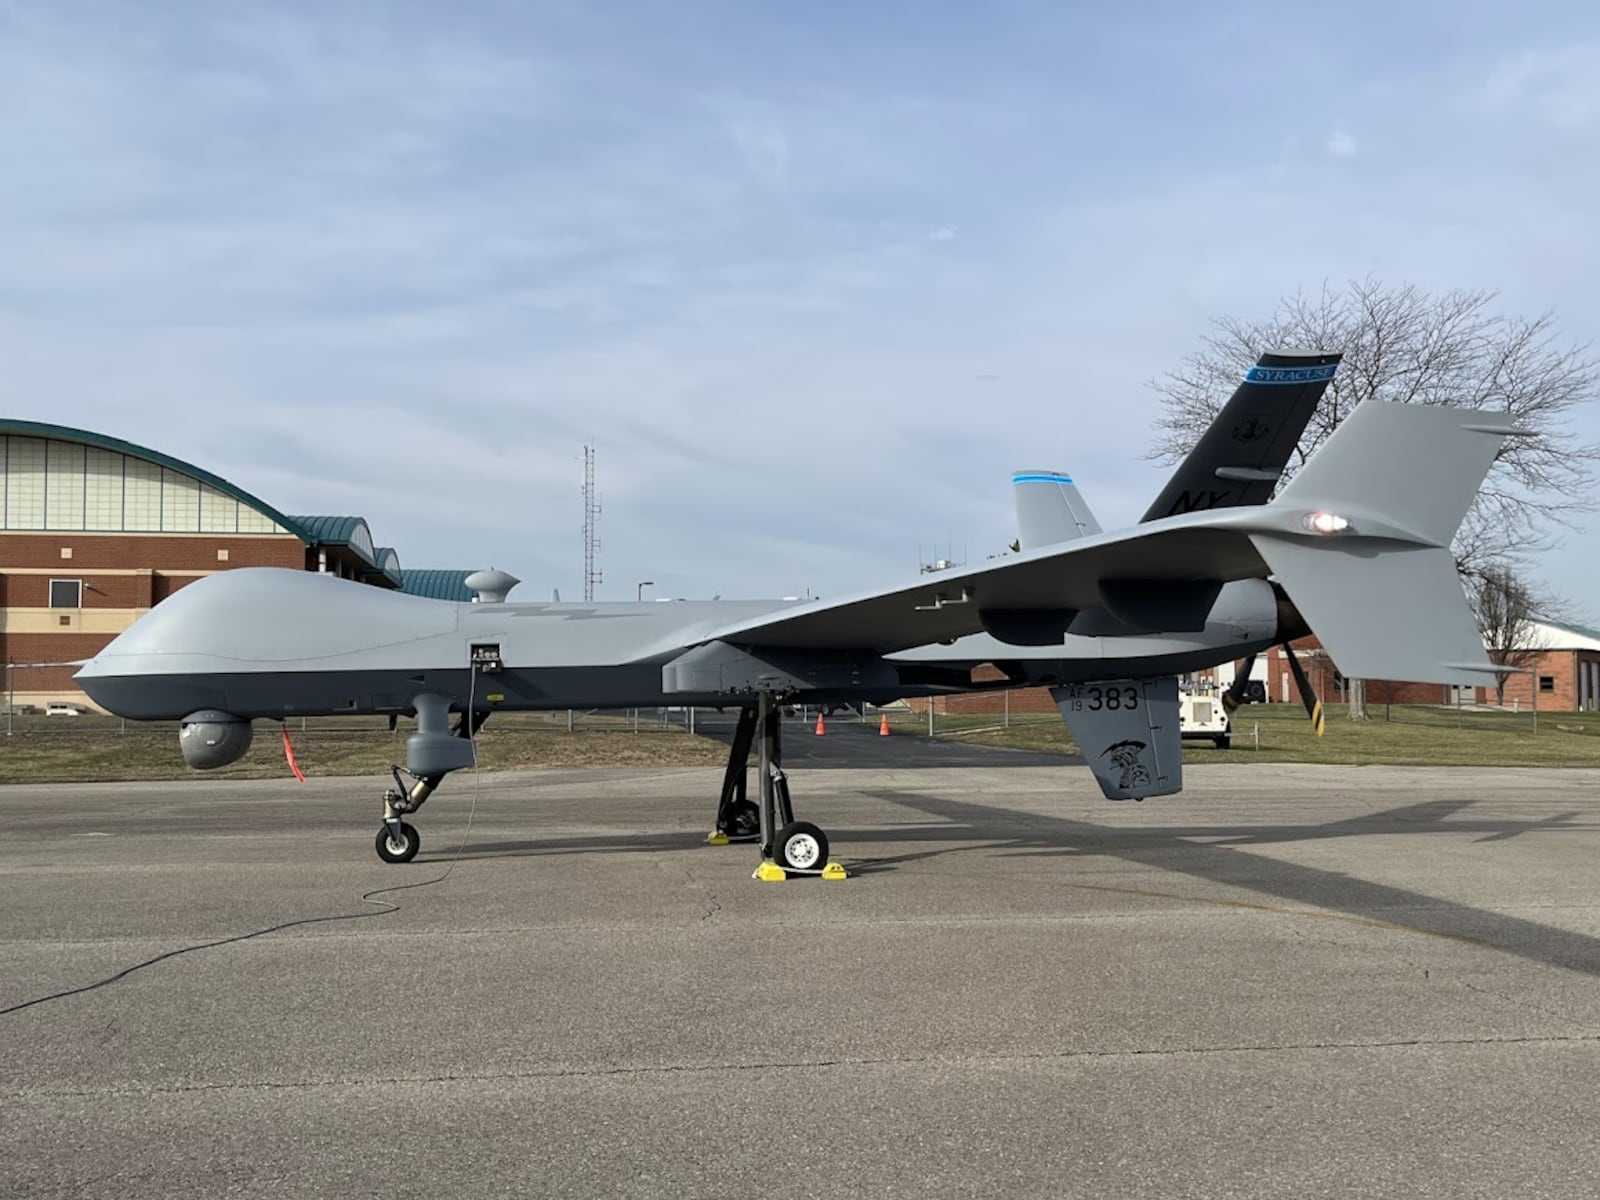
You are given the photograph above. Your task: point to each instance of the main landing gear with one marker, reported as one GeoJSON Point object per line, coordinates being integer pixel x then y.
{"type": "Point", "coordinates": [788, 847]}
{"type": "Point", "coordinates": [738, 817]}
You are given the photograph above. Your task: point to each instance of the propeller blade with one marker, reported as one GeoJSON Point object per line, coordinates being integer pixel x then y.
{"type": "Point", "coordinates": [1234, 696]}
{"type": "Point", "coordinates": [1307, 696]}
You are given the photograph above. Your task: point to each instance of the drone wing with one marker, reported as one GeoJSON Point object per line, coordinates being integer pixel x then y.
{"type": "Point", "coordinates": [1400, 478]}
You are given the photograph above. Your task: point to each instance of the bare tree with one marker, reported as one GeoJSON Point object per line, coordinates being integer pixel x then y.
{"type": "Point", "coordinates": [1357, 693]}
{"type": "Point", "coordinates": [1405, 344]}
{"type": "Point", "coordinates": [1508, 609]}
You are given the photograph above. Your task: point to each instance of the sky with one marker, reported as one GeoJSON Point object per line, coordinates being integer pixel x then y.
{"type": "Point", "coordinates": [813, 280]}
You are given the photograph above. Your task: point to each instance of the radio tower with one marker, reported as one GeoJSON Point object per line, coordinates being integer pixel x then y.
{"type": "Point", "coordinates": [591, 517]}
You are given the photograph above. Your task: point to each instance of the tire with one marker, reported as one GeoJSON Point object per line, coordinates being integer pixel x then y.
{"type": "Point", "coordinates": [1223, 742]}
{"type": "Point", "coordinates": [402, 851]}
{"type": "Point", "coordinates": [744, 820]}
{"type": "Point", "coordinates": [801, 846]}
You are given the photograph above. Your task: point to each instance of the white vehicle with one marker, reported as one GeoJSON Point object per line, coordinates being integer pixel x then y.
{"type": "Point", "coordinates": [1201, 715]}
{"type": "Point", "coordinates": [60, 708]}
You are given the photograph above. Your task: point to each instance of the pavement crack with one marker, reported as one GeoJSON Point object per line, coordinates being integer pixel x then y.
{"type": "Point", "coordinates": [1521, 1002]}
{"type": "Point", "coordinates": [710, 904]}
{"type": "Point", "coordinates": [813, 1065]}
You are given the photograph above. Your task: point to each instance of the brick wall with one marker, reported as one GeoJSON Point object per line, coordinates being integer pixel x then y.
{"type": "Point", "coordinates": [1022, 700]}
{"type": "Point", "coordinates": [133, 551]}
{"type": "Point", "coordinates": [52, 683]}
{"type": "Point", "coordinates": [1560, 665]}
{"type": "Point", "coordinates": [1390, 691]}
{"type": "Point", "coordinates": [123, 575]}
{"type": "Point", "coordinates": [100, 591]}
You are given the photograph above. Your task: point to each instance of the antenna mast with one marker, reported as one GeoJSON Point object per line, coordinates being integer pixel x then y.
{"type": "Point", "coordinates": [591, 517]}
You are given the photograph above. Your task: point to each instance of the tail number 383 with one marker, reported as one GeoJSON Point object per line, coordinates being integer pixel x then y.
{"type": "Point", "coordinates": [1112, 698]}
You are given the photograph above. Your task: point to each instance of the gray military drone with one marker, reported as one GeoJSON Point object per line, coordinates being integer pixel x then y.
{"type": "Point", "coordinates": [1355, 548]}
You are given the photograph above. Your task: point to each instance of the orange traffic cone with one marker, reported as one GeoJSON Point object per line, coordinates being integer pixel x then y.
{"type": "Point", "coordinates": [821, 728]}
{"type": "Point", "coordinates": [883, 726]}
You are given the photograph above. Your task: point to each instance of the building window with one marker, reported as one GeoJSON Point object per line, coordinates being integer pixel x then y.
{"type": "Point", "coordinates": [1547, 683]}
{"type": "Point", "coordinates": [66, 593]}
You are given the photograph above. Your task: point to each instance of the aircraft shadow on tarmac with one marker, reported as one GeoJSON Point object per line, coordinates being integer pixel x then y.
{"type": "Point", "coordinates": [851, 743]}
{"type": "Point", "coordinates": [1216, 854]}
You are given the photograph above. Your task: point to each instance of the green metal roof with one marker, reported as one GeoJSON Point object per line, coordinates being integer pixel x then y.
{"type": "Point", "coordinates": [437, 584]}
{"type": "Point", "coordinates": [389, 563]}
{"type": "Point", "coordinates": [353, 532]}
{"type": "Point", "coordinates": [63, 433]}
{"type": "Point", "coordinates": [339, 531]}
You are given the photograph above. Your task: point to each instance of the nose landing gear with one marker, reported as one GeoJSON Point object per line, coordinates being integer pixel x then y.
{"type": "Point", "coordinates": [432, 752]}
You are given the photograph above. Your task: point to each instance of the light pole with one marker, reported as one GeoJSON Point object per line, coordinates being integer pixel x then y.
{"type": "Point", "coordinates": [638, 596]}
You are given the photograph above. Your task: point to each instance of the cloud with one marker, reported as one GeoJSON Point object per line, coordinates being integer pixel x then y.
{"type": "Point", "coordinates": [408, 267]}
{"type": "Point", "coordinates": [1560, 86]}
{"type": "Point", "coordinates": [1341, 145]}
{"type": "Point", "coordinates": [760, 140]}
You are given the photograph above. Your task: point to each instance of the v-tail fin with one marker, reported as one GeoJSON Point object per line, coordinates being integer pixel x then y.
{"type": "Point", "coordinates": [1368, 563]}
{"type": "Point", "coordinates": [1050, 509]}
{"type": "Point", "coordinates": [1242, 454]}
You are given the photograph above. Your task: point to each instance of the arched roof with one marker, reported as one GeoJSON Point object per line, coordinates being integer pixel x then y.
{"type": "Point", "coordinates": [63, 433]}
{"type": "Point", "coordinates": [350, 537]}
{"type": "Point", "coordinates": [389, 564]}
{"type": "Point", "coordinates": [340, 531]}
{"type": "Point", "coordinates": [438, 584]}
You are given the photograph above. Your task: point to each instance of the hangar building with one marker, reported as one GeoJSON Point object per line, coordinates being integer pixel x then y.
{"type": "Point", "coordinates": [94, 531]}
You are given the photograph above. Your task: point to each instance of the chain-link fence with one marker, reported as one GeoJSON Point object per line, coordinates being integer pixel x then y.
{"type": "Point", "coordinates": [1467, 716]}
{"type": "Point", "coordinates": [33, 721]}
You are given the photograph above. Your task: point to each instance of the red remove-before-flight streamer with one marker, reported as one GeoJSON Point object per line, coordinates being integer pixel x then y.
{"type": "Point", "coordinates": [288, 753]}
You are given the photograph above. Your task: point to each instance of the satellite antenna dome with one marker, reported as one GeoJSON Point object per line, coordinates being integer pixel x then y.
{"type": "Point", "coordinates": [491, 586]}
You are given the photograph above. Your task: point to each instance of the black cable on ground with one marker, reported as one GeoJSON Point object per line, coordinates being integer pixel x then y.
{"type": "Point", "coordinates": [367, 898]}
{"type": "Point", "coordinates": [241, 937]}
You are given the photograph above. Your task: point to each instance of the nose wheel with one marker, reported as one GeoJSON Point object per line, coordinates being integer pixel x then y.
{"type": "Point", "coordinates": [398, 842]}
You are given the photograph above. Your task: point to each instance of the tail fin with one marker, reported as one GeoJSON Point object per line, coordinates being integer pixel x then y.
{"type": "Point", "coordinates": [1050, 510]}
{"type": "Point", "coordinates": [1382, 594]}
{"type": "Point", "coordinates": [1239, 459]}
{"type": "Point", "coordinates": [1414, 466]}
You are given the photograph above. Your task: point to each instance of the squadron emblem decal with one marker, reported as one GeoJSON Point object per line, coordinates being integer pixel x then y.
{"type": "Point", "coordinates": [1125, 757]}
{"type": "Point", "coordinates": [1251, 429]}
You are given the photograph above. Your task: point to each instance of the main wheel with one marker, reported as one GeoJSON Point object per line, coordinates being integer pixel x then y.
{"type": "Point", "coordinates": [801, 846]}
{"type": "Point", "coordinates": [399, 849]}
{"type": "Point", "coordinates": [1223, 742]}
{"type": "Point", "coordinates": [744, 820]}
